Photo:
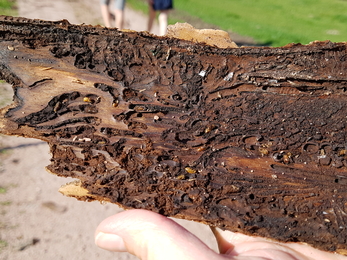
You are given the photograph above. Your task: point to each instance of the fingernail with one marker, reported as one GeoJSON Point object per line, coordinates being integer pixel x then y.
{"type": "Point", "coordinates": [110, 242]}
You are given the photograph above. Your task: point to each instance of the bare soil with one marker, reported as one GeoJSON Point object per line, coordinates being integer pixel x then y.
{"type": "Point", "coordinates": [36, 221]}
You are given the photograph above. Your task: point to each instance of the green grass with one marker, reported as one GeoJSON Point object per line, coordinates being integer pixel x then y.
{"type": "Point", "coordinates": [270, 21]}
{"type": "Point", "coordinates": [138, 5]}
{"type": "Point", "coordinates": [5, 96]}
{"type": "Point", "coordinates": [3, 244]}
{"type": "Point", "coordinates": [8, 7]}
{"type": "Point", "coordinates": [3, 190]}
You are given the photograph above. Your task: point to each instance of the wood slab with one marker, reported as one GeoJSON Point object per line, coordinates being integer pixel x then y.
{"type": "Point", "coordinates": [249, 139]}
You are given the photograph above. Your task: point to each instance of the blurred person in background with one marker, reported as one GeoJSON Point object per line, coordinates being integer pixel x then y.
{"type": "Point", "coordinates": [118, 13]}
{"type": "Point", "coordinates": [163, 7]}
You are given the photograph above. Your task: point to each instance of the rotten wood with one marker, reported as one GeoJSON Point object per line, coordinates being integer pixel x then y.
{"type": "Point", "coordinates": [248, 139]}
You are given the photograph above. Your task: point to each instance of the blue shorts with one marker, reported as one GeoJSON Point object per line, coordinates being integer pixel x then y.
{"type": "Point", "coordinates": [118, 4]}
{"type": "Point", "coordinates": [162, 4]}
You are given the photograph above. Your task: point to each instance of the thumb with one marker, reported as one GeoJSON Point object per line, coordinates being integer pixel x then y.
{"type": "Point", "coordinates": [149, 235]}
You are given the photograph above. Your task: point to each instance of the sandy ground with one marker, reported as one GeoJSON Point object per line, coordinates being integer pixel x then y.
{"type": "Point", "coordinates": [36, 221]}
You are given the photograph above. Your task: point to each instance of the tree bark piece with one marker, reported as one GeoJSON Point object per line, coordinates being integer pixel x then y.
{"type": "Point", "coordinates": [248, 139]}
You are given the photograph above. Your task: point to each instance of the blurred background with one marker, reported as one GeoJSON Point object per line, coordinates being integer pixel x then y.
{"type": "Point", "coordinates": [269, 22]}
{"type": "Point", "coordinates": [265, 22]}
{"type": "Point", "coordinates": [36, 221]}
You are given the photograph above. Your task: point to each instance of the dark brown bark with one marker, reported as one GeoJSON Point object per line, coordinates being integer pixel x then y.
{"type": "Point", "coordinates": [247, 139]}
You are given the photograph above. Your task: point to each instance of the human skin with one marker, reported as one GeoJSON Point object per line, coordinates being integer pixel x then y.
{"type": "Point", "coordinates": [151, 236]}
{"type": "Point", "coordinates": [119, 17]}
{"type": "Point", "coordinates": [162, 18]}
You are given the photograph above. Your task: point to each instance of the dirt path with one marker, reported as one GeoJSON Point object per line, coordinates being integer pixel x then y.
{"type": "Point", "coordinates": [78, 12]}
{"type": "Point", "coordinates": [36, 221]}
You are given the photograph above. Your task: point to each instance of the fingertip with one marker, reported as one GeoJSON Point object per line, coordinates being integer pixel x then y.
{"type": "Point", "coordinates": [110, 242]}
{"type": "Point", "coordinates": [149, 235]}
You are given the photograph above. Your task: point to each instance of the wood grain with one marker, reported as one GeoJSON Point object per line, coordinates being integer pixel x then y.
{"type": "Point", "coordinates": [248, 139]}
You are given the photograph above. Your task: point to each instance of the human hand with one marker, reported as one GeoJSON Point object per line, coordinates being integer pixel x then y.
{"type": "Point", "coordinates": [151, 236]}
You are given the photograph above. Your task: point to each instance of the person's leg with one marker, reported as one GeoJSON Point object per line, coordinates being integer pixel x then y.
{"type": "Point", "coordinates": [106, 16]}
{"type": "Point", "coordinates": [163, 17]}
{"type": "Point", "coordinates": [119, 22]}
{"type": "Point", "coordinates": [119, 6]}
{"type": "Point", "coordinates": [151, 17]}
